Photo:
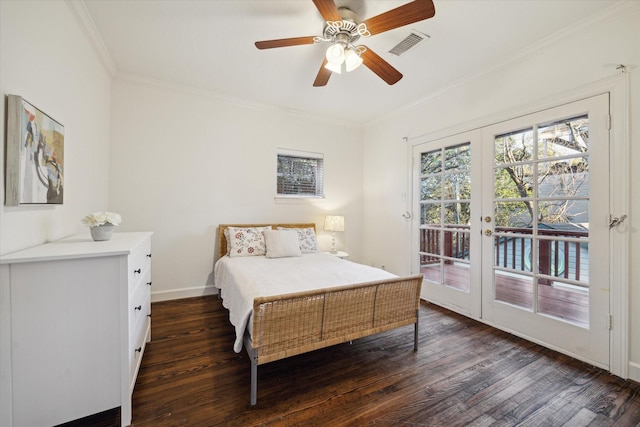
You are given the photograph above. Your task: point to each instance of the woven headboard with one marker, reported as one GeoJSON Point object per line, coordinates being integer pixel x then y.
{"type": "Point", "coordinates": [222, 241]}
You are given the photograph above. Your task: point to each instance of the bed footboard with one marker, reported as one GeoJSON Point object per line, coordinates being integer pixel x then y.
{"type": "Point", "coordinates": [291, 324]}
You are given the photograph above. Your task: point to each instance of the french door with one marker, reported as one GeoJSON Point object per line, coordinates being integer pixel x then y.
{"type": "Point", "coordinates": [512, 226]}
{"type": "Point", "coordinates": [448, 176]}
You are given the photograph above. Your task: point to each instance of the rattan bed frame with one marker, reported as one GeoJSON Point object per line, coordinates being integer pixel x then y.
{"type": "Point", "coordinates": [325, 317]}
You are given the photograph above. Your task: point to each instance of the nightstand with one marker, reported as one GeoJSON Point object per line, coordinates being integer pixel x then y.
{"type": "Point", "coordinates": [339, 254]}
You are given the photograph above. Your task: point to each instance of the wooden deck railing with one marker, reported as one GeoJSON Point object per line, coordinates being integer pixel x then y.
{"type": "Point", "coordinates": [455, 244]}
{"type": "Point", "coordinates": [556, 257]}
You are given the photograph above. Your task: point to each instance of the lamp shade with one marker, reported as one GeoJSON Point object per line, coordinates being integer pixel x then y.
{"type": "Point", "coordinates": [334, 223]}
{"type": "Point", "coordinates": [334, 67]}
{"type": "Point", "coordinates": [352, 60]}
{"type": "Point", "coordinates": [335, 53]}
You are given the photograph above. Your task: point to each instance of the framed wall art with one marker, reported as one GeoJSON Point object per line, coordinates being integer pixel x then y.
{"type": "Point", "coordinates": [35, 156]}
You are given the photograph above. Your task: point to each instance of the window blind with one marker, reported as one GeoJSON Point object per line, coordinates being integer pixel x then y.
{"type": "Point", "coordinates": [300, 174]}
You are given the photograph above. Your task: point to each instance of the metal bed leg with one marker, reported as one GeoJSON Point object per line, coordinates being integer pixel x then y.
{"type": "Point", "coordinates": [415, 333]}
{"type": "Point", "coordinates": [254, 377]}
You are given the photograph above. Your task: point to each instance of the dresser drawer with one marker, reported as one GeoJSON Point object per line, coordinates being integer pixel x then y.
{"type": "Point", "coordinates": [138, 299]}
{"type": "Point", "coordinates": [137, 340]}
{"type": "Point", "coordinates": [139, 262]}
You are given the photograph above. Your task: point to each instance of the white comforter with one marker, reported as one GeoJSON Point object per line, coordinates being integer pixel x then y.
{"type": "Point", "coordinates": [241, 279]}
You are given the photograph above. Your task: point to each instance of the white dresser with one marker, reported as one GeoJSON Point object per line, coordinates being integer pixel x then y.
{"type": "Point", "coordinates": [75, 316]}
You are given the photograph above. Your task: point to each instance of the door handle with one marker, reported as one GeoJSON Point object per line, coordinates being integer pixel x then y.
{"type": "Point", "coordinates": [616, 221]}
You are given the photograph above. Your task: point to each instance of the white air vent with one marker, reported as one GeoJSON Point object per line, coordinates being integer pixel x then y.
{"type": "Point", "coordinates": [409, 42]}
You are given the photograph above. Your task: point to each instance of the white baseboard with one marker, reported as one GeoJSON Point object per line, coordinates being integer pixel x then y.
{"type": "Point", "coordinates": [634, 371]}
{"type": "Point", "coordinates": [183, 293]}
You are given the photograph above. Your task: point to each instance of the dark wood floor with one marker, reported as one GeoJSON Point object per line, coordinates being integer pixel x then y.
{"type": "Point", "coordinates": [465, 373]}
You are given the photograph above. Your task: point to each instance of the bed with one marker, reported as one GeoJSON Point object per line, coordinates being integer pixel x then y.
{"type": "Point", "coordinates": [285, 305]}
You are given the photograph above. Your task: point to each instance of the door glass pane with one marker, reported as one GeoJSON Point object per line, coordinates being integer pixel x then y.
{"type": "Point", "coordinates": [566, 293]}
{"type": "Point", "coordinates": [430, 241]}
{"type": "Point", "coordinates": [514, 289]}
{"type": "Point", "coordinates": [564, 137]}
{"type": "Point", "coordinates": [431, 269]}
{"type": "Point", "coordinates": [513, 252]}
{"type": "Point", "coordinates": [457, 214]}
{"type": "Point", "coordinates": [431, 188]}
{"type": "Point", "coordinates": [561, 178]}
{"type": "Point", "coordinates": [431, 162]}
{"type": "Point", "coordinates": [457, 186]}
{"type": "Point", "coordinates": [514, 181]}
{"type": "Point", "coordinates": [563, 259]}
{"type": "Point", "coordinates": [515, 214]}
{"type": "Point", "coordinates": [430, 214]}
{"type": "Point", "coordinates": [514, 147]}
{"type": "Point", "coordinates": [458, 157]}
{"type": "Point", "coordinates": [456, 275]}
{"type": "Point", "coordinates": [565, 216]}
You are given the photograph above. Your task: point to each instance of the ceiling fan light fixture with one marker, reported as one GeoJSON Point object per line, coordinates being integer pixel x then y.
{"type": "Point", "coordinates": [342, 30]}
{"type": "Point", "coordinates": [335, 67]}
{"type": "Point", "coordinates": [335, 54]}
{"type": "Point", "coordinates": [352, 60]}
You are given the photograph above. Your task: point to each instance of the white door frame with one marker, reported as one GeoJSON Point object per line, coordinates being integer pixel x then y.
{"type": "Point", "coordinates": [618, 89]}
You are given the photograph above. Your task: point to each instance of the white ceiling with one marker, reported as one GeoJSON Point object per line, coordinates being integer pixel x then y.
{"type": "Point", "coordinates": [209, 45]}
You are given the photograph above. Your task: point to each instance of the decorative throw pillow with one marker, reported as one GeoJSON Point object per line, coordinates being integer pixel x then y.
{"type": "Point", "coordinates": [282, 243]}
{"type": "Point", "coordinates": [307, 238]}
{"type": "Point", "coordinates": [247, 241]}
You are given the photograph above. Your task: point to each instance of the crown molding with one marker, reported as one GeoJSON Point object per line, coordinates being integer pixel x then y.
{"type": "Point", "coordinates": [85, 22]}
{"type": "Point", "coordinates": [233, 100]}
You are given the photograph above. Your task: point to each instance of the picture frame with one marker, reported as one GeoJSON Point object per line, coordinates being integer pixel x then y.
{"type": "Point", "coordinates": [34, 156]}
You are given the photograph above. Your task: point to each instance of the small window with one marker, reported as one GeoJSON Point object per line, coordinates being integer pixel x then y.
{"type": "Point", "coordinates": [300, 174]}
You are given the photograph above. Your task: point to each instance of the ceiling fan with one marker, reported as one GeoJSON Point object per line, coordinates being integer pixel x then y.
{"type": "Point", "coordinates": [343, 29]}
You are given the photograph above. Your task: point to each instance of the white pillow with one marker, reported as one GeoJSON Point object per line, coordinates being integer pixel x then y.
{"type": "Point", "coordinates": [282, 243]}
{"type": "Point", "coordinates": [307, 238]}
{"type": "Point", "coordinates": [247, 241]}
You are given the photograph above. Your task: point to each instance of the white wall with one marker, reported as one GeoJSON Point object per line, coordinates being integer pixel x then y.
{"type": "Point", "coordinates": [579, 58]}
{"type": "Point", "coordinates": [46, 59]}
{"type": "Point", "coordinates": [184, 161]}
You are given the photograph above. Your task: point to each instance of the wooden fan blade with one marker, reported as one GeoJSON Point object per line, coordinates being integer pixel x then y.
{"type": "Point", "coordinates": [323, 75]}
{"type": "Point", "coordinates": [382, 68]}
{"type": "Point", "coordinates": [328, 10]}
{"type": "Point", "coordinates": [295, 41]}
{"type": "Point", "coordinates": [409, 13]}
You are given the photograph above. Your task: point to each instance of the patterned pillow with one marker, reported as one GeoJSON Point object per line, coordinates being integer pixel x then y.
{"type": "Point", "coordinates": [307, 238]}
{"type": "Point", "coordinates": [247, 241]}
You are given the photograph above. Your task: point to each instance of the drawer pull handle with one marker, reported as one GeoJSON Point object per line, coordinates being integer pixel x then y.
{"type": "Point", "coordinates": [149, 283]}
{"type": "Point", "coordinates": [138, 350]}
{"type": "Point", "coordinates": [138, 307]}
{"type": "Point", "coordinates": [138, 271]}
{"type": "Point", "coordinates": [148, 255]}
